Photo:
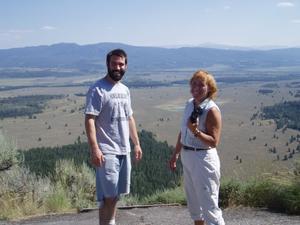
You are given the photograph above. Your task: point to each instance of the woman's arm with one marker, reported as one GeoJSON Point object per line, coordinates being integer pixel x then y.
{"type": "Point", "coordinates": [176, 153]}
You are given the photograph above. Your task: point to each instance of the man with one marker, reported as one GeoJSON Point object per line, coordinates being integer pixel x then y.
{"type": "Point", "coordinates": [109, 123]}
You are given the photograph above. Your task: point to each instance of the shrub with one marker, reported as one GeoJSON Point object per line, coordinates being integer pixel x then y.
{"type": "Point", "coordinates": [167, 196]}
{"type": "Point", "coordinates": [21, 192]}
{"type": "Point", "coordinates": [57, 200]}
{"type": "Point", "coordinates": [230, 194]}
{"type": "Point", "coordinates": [279, 192]}
{"type": "Point", "coordinates": [77, 182]}
{"type": "Point", "coordinates": [8, 154]}
{"type": "Point", "coordinates": [257, 193]}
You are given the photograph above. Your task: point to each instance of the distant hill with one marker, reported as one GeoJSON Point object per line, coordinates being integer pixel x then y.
{"type": "Point", "coordinates": [92, 57]}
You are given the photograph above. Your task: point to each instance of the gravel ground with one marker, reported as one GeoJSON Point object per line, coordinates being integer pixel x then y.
{"type": "Point", "coordinates": [170, 215]}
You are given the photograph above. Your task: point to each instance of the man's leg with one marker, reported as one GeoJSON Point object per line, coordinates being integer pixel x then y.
{"type": "Point", "coordinates": [107, 213]}
{"type": "Point", "coordinates": [199, 222]}
{"type": "Point", "coordinates": [107, 185]}
{"type": "Point", "coordinates": [115, 180]}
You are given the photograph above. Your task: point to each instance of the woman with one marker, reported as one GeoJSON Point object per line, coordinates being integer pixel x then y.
{"type": "Point", "coordinates": [197, 140]}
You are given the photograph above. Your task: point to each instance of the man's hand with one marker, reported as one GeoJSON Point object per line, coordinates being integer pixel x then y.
{"type": "Point", "coordinates": [137, 153]}
{"type": "Point", "coordinates": [97, 157]}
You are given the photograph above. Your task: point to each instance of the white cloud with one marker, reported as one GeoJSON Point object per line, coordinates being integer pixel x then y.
{"type": "Point", "coordinates": [48, 28]}
{"type": "Point", "coordinates": [285, 4]}
{"type": "Point", "coordinates": [295, 21]}
{"type": "Point", "coordinates": [227, 7]}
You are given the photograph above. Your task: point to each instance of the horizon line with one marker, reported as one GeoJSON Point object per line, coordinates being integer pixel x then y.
{"type": "Point", "coordinates": [172, 46]}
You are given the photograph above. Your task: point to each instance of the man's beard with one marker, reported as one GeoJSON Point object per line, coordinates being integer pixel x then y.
{"type": "Point", "coordinates": [116, 75]}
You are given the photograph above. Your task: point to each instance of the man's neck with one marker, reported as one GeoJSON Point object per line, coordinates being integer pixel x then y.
{"type": "Point", "coordinates": [108, 78]}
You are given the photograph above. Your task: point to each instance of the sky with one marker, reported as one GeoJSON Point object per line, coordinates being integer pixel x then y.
{"type": "Point", "coordinates": [162, 23]}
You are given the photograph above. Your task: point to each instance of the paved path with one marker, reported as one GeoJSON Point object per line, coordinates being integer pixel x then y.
{"type": "Point", "coordinates": [171, 215]}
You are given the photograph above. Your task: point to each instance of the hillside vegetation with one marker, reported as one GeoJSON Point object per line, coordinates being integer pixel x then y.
{"type": "Point", "coordinates": [148, 176]}
{"type": "Point", "coordinates": [285, 114]}
{"type": "Point", "coordinates": [45, 180]}
{"type": "Point", "coordinates": [24, 105]}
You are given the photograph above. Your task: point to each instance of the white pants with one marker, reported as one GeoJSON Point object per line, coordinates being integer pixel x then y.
{"type": "Point", "coordinates": [201, 172]}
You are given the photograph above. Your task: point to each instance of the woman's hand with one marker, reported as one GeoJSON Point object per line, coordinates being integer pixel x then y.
{"type": "Point", "coordinates": [172, 162]}
{"type": "Point", "coordinates": [192, 126]}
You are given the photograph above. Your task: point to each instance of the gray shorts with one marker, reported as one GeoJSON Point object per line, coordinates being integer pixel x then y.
{"type": "Point", "coordinates": [113, 178]}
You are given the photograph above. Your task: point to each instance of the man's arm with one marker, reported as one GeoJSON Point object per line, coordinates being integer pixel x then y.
{"type": "Point", "coordinates": [135, 139]}
{"type": "Point", "coordinates": [96, 154]}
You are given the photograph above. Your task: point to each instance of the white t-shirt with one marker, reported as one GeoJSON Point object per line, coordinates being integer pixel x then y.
{"type": "Point", "coordinates": [111, 105]}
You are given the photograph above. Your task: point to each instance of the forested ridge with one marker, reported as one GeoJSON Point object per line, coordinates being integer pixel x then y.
{"type": "Point", "coordinates": [24, 105]}
{"type": "Point", "coordinates": [285, 114]}
{"type": "Point", "coordinates": [148, 176]}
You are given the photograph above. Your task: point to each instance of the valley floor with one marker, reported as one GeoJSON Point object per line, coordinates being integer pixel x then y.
{"type": "Point", "coordinates": [245, 144]}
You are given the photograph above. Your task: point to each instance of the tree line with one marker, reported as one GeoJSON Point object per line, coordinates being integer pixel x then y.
{"type": "Point", "coordinates": [285, 114]}
{"type": "Point", "coordinates": [148, 176]}
{"type": "Point", "coordinates": [24, 105]}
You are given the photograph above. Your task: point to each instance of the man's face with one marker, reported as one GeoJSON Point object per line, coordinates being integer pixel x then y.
{"type": "Point", "coordinates": [116, 67]}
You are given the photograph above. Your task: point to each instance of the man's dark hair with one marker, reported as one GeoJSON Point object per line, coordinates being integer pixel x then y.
{"type": "Point", "coordinates": [118, 52]}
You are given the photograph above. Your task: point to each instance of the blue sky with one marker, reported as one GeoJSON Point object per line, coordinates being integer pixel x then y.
{"type": "Point", "coordinates": [150, 22]}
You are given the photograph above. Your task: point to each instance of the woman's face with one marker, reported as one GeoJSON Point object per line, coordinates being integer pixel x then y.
{"type": "Point", "coordinates": [199, 89]}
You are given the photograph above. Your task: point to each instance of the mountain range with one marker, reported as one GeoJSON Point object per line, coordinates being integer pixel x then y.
{"type": "Point", "coordinates": [92, 57]}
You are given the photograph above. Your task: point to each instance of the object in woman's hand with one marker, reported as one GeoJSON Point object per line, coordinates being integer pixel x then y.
{"type": "Point", "coordinates": [195, 114]}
